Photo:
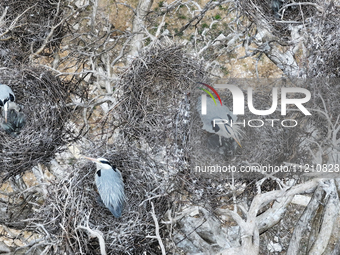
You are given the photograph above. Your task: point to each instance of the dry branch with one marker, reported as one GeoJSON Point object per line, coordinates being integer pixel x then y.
{"type": "Point", "coordinates": [157, 236]}
{"type": "Point", "coordinates": [302, 225]}
{"type": "Point", "coordinates": [94, 233]}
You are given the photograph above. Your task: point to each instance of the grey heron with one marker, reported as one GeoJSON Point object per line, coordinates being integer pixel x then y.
{"type": "Point", "coordinates": [219, 120]}
{"type": "Point", "coordinates": [7, 98]}
{"type": "Point", "coordinates": [14, 118]}
{"type": "Point", "coordinates": [110, 185]}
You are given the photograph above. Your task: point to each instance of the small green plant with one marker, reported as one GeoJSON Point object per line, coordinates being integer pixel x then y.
{"type": "Point", "coordinates": [177, 33]}
{"type": "Point", "coordinates": [217, 17]}
{"type": "Point", "coordinates": [221, 8]}
{"type": "Point", "coordinates": [225, 70]}
{"type": "Point", "coordinates": [72, 161]}
{"type": "Point", "coordinates": [147, 41]}
{"type": "Point", "coordinates": [181, 16]}
{"type": "Point", "coordinates": [205, 25]}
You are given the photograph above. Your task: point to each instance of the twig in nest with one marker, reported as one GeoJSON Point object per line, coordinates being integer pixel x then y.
{"type": "Point", "coordinates": [94, 233]}
{"type": "Point", "coordinates": [157, 236]}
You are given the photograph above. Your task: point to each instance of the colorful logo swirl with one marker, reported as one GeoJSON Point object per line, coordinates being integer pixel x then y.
{"type": "Point", "coordinates": [209, 93]}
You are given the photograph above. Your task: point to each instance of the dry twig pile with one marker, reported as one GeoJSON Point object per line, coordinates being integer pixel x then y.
{"type": "Point", "coordinates": [43, 99]}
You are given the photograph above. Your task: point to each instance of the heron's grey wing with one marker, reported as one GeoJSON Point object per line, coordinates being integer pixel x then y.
{"type": "Point", "coordinates": [116, 211]}
{"type": "Point", "coordinates": [15, 122]}
{"type": "Point", "coordinates": [20, 120]}
{"type": "Point", "coordinates": [111, 189]}
{"type": "Point", "coordinates": [7, 127]}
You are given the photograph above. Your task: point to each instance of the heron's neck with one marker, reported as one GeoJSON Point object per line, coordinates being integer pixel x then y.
{"type": "Point", "coordinates": [12, 105]}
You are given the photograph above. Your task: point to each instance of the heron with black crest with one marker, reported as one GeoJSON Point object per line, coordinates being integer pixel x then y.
{"type": "Point", "coordinates": [14, 118]}
{"type": "Point", "coordinates": [110, 185]}
{"type": "Point", "coordinates": [7, 98]}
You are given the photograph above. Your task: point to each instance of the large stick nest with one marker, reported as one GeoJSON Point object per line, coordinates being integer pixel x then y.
{"type": "Point", "coordinates": [25, 26]}
{"type": "Point", "coordinates": [43, 99]}
{"type": "Point", "coordinates": [153, 118]}
{"type": "Point", "coordinates": [157, 90]}
{"type": "Point", "coordinates": [74, 202]}
{"type": "Point", "coordinates": [262, 13]}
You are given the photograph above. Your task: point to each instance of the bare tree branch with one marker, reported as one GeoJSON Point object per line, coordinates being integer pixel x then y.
{"type": "Point", "coordinates": [157, 236]}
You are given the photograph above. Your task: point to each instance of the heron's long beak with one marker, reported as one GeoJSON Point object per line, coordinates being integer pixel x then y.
{"type": "Point", "coordinates": [237, 142]}
{"type": "Point", "coordinates": [6, 110]}
{"type": "Point", "coordinates": [92, 159]}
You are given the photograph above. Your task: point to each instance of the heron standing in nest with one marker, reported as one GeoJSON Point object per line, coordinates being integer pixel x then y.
{"type": "Point", "coordinates": [219, 120]}
{"type": "Point", "coordinates": [110, 185]}
{"type": "Point", "coordinates": [14, 119]}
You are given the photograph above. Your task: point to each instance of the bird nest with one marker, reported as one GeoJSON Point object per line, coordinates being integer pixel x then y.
{"type": "Point", "coordinates": [262, 13]}
{"type": "Point", "coordinates": [156, 100]}
{"type": "Point", "coordinates": [43, 99]}
{"type": "Point", "coordinates": [72, 210]}
{"type": "Point", "coordinates": [24, 26]}
{"type": "Point", "coordinates": [152, 115]}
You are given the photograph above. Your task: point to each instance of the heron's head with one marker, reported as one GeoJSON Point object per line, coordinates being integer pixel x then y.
{"type": "Point", "coordinates": [102, 163]}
